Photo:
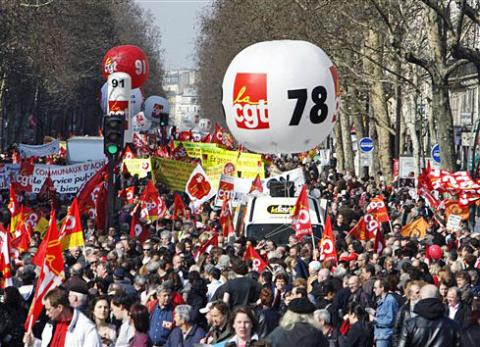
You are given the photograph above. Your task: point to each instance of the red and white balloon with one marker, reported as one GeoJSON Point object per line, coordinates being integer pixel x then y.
{"type": "Point", "coordinates": [281, 96]}
{"type": "Point", "coordinates": [129, 59]}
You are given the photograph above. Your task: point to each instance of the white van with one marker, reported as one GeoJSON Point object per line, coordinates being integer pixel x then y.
{"type": "Point", "coordinates": [270, 218]}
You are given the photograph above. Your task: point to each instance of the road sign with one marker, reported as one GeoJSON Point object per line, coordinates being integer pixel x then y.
{"type": "Point", "coordinates": [366, 144]}
{"type": "Point", "coordinates": [436, 153]}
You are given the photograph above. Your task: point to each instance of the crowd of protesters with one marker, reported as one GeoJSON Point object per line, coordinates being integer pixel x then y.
{"type": "Point", "coordinates": [120, 292]}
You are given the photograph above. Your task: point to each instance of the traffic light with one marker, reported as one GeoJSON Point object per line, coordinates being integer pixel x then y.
{"type": "Point", "coordinates": [163, 119]}
{"type": "Point", "coordinates": [113, 131]}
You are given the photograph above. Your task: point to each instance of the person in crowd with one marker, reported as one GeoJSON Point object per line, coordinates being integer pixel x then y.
{"type": "Point", "coordinates": [139, 318]}
{"type": "Point", "coordinates": [161, 319]}
{"type": "Point", "coordinates": [186, 332]}
{"type": "Point", "coordinates": [405, 312]}
{"type": "Point", "coordinates": [12, 317]}
{"type": "Point", "coordinates": [244, 325]}
{"type": "Point", "coordinates": [120, 305]}
{"type": "Point", "coordinates": [430, 327]}
{"type": "Point", "coordinates": [456, 309]}
{"type": "Point", "coordinates": [298, 327]}
{"type": "Point", "coordinates": [384, 318]}
{"type": "Point", "coordinates": [220, 330]}
{"type": "Point", "coordinates": [268, 318]}
{"type": "Point", "coordinates": [358, 332]}
{"type": "Point", "coordinates": [100, 315]}
{"type": "Point", "coordinates": [242, 290]}
{"type": "Point", "coordinates": [471, 335]}
{"type": "Point", "coordinates": [69, 327]}
{"type": "Point", "coordinates": [329, 331]}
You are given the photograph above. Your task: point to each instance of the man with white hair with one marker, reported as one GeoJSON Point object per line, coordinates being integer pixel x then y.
{"type": "Point", "coordinates": [330, 332]}
{"type": "Point", "coordinates": [430, 327]}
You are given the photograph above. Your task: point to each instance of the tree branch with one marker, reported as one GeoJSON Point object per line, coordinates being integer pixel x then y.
{"type": "Point", "coordinates": [37, 5]}
{"type": "Point", "coordinates": [412, 58]}
{"type": "Point", "coordinates": [441, 12]}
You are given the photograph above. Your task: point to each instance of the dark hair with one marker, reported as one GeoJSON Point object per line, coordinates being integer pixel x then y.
{"type": "Point", "coordinates": [222, 307]}
{"type": "Point", "coordinates": [94, 302]}
{"type": "Point", "coordinates": [122, 299]}
{"type": "Point", "coordinates": [239, 266]}
{"type": "Point", "coordinates": [463, 274]}
{"type": "Point", "coordinates": [57, 296]}
{"type": "Point", "coordinates": [355, 308]}
{"type": "Point", "coordinates": [246, 310]}
{"type": "Point", "coordinates": [140, 317]}
{"type": "Point", "coordinates": [370, 268]}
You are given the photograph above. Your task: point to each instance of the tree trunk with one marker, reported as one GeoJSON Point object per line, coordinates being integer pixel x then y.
{"type": "Point", "coordinates": [347, 142]}
{"type": "Point", "coordinates": [339, 145]}
{"type": "Point", "coordinates": [409, 117]}
{"type": "Point", "coordinates": [443, 113]}
{"type": "Point", "coordinates": [380, 113]}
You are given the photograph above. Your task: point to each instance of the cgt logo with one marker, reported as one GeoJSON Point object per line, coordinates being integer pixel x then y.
{"type": "Point", "coordinates": [250, 101]}
{"type": "Point", "coordinates": [280, 209]}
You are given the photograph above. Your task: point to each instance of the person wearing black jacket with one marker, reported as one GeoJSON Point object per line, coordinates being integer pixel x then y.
{"type": "Point", "coordinates": [471, 336]}
{"type": "Point", "coordinates": [430, 327]}
{"type": "Point", "coordinates": [360, 332]}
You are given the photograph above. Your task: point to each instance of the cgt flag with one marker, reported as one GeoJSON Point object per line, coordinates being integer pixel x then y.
{"type": "Point", "coordinates": [51, 271]}
{"type": "Point", "coordinates": [378, 209]}
{"type": "Point", "coordinates": [301, 216]}
{"type": "Point", "coordinates": [206, 247]}
{"type": "Point", "coordinates": [257, 186]}
{"type": "Point", "coordinates": [199, 188]}
{"type": "Point", "coordinates": [258, 264]}
{"type": "Point", "coordinates": [365, 229]}
{"type": "Point", "coordinates": [327, 243]}
{"type": "Point", "coordinates": [137, 228]}
{"type": "Point", "coordinates": [226, 219]}
{"type": "Point", "coordinates": [71, 232]}
{"type": "Point", "coordinates": [5, 266]}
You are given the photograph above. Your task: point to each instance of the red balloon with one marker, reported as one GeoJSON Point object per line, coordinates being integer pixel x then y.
{"type": "Point", "coordinates": [129, 59]}
{"type": "Point", "coordinates": [435, 252]}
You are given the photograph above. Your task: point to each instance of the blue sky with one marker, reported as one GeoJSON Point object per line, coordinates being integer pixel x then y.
{"type": "Point", "coordinates": [178, 23]}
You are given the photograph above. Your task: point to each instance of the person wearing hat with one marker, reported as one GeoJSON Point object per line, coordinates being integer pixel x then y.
{"type": "Point", "coordinates": [78, 294]}
{"type": "Point", "coordinates": [298, 327]}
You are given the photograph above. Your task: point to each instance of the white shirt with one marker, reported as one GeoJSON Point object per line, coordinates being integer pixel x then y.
{"type": "Point", "coordinates": [452, 311]}
{"type": "Point", "coordinates": [125, 334]}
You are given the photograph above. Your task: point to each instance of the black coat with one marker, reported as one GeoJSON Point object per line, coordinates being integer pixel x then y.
{"type": "Point", "coordinates": [302, 334]}
{"type": "Point", "coordinates": [403, 315]}
{"type": "Point", "coordinates": [359, 335]}
{"type": "Point", "coordinates": [430, 328]}
{"type": "Point", "coordinates": [471, 336]}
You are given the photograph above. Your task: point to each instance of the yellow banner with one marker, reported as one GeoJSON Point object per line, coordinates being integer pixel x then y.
{"type": "Point", "coordinates": [140, 167]}
{"type": "Point", "coordinates": [173, 173]}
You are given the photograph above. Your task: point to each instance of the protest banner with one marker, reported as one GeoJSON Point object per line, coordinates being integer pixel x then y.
{"type": "Point", "coordinates": [173, 173]}
{"type": "Point", "coordinates": [295, 175]}
{"type": "Point", "coordinates": [27, 151]}
{"type": "Point", "coordinates": [234, 187]}
{"type": "Point", "coordinates": [140, 167]}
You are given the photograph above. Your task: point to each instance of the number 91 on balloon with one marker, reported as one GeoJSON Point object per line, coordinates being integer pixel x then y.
{"type": "Point", "coordinates": [281, 96]}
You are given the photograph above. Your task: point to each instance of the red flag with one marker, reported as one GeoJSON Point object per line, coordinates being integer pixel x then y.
{"type": "Point", "coordinates": [226, 219]}
{"type": "Point", "coordinates": [51, 270]}
{"type": "Point", "coordinates": [256, 185]}
{"type": "Point", "coordinates": [87, 194]}
{"type": "Point", "coordinates": [127, 194]}
{"type": "Point", "coordinates": [13, 205]}
{"type": "Point", "coordinates": [207, 138]}
{"type": "Point", "coordinates": [365, 228]}
{"type": "Point", "coordinates": [21, 242]}
{"type": "Point", "coordinates": [378, 209]}
{"type": "Point", "coordinates": [179, 208]}
{"type": "Point", "coordinates": [301, 215]}
{"type": "Point", "coordinates": [71, 232]}
{"type": "Point", "coordinates": [258, 264]}
{"type": "Point", "coordinates": [185, 135]}
{"type": "Point", "coordinates": [207, 246]}
{"type": "Point", "coordinates": [16, 157]}
{"type": "Point", "coordinates": [327, 243]}
{"type": "Point", "coordinates": [47, 191]}
{"type": "Point", "coordinates": [128, 153]}
{"type": "Point", "coordinates": [152, 205]}
{"type": "Point", "coordinates": [5, 266]}
{"type": "Point", "coordinates": [101, 206]}
{"type": "Point", "coordinates": [137, 229]}
{"type": "Point", "coordinates": [221, 136]}
{"type": "Point", "coordinates": [379, 243]}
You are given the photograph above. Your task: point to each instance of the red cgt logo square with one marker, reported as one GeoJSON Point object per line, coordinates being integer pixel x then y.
{"type": "Point", "coordinates": [250, 101]}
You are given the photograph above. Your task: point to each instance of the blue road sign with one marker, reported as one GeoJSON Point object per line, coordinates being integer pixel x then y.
{"type": "Point", "coordinates": [436, 153]}
{"type": "Point", "coordinates": [366, 144]}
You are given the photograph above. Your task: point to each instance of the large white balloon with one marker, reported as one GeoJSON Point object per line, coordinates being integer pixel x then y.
{"type": "Point", "coordinates": [140, 122]}
{"type": "Point", "coordinates": [136, 99]}
{"type": "Point", "coordinates": [281, 96]}
{"type": "Point", "coordinates": [154, 106]}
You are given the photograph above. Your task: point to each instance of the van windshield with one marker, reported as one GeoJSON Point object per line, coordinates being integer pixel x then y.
{"type": "Point", "coordinates": [278, 233]}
